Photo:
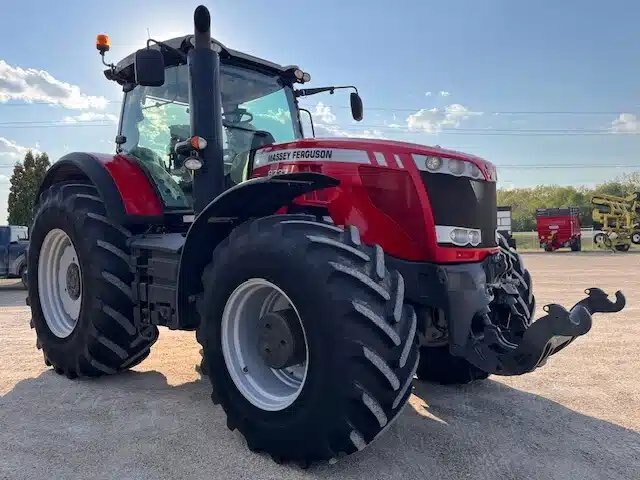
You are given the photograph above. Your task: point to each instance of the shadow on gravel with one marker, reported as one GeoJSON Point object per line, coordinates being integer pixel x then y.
{"type": "Point", "coordinates": [135, 425]}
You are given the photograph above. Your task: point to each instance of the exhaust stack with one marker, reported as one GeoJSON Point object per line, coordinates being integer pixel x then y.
{"type": "Point", "coordinates": [205, 104]}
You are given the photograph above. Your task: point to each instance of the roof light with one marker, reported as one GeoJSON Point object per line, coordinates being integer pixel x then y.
{"type": "Point", "coordinates": [102, 43]}
{"type": "Point", "coordinates": [299, 74]}
{"type": "Point", "coordinates": [306, 77]}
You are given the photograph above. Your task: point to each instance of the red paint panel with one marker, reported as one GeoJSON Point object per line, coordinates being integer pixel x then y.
{"type": "Point", "coordinates": [137, 192]}
{"type": "Point", "coordinates": [388, 204]}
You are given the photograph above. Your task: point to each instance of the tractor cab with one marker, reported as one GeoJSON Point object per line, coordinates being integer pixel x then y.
{"type": "Point", "coordinates": [258, 108]}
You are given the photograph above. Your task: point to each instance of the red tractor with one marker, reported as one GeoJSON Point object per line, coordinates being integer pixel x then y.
{"type": "Point", "coordinates": [320, 275]}
{"type": "Point", "coordinates": [559, 228]}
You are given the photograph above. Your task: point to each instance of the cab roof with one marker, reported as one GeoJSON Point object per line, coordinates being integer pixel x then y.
{"type": "Point", "coordinates": [124, 68]}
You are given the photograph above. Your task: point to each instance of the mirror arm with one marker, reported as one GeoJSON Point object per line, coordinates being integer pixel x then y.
{"type": "Point", "coordinates": [171, 49]}
{"type": "Point", "coordinates": [305, 92]}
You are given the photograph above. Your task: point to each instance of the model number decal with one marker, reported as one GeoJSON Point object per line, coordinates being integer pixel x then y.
{"type": "Point", "coordinates": [281, 171]}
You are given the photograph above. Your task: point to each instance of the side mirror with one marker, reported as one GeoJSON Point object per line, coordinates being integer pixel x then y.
{"type": "Point", "coordinates": [356, 106]}
{"type": "Point", "coordinates": [148, 66]}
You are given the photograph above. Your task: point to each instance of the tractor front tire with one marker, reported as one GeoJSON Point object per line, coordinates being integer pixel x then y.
{"type": "Point", "coordinates": [358, 335]}
{"type": "Point", "coordinates": [80, 286]}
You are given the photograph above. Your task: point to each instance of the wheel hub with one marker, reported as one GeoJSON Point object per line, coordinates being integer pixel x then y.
{"type": "Point", "coordinates": [264, 344]}
{"type": "Point", "coordinates": [73, 281]}
{"type": "Point", "coordinates": [281, 341]}
{"type": "Point", "coordinates": [59, 283]}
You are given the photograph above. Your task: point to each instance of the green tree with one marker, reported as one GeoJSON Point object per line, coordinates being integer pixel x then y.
{"type": "Point", "coordinates": [24, 183]}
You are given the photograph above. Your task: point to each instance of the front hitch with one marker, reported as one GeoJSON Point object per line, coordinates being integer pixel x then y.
{"type": "Point", "coordinates": [490, 351]}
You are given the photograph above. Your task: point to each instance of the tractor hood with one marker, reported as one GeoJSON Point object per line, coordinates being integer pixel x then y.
{"type": "Point", "coordinates": [383, 153]}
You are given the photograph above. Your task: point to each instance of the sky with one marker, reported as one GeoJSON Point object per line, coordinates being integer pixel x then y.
{"type": "Point", "coordinates": [548, 91]}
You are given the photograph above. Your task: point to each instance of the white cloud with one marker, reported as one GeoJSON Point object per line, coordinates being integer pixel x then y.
{"type": "Point", "coordinates": [626, 123]}
{"type": "Point", "coordinates": [444, 93]}
{"type": "Point", "coordinates": [434, 119]}
{"type": "Point", "coordinates": [12, 150]}
{"type": "Point", "coordinates": [91, 117]}
{"type": "Point", "coordinates": [427, 94]}
{"type": "Point", "coordinates": [323, 112]}
{"type": "Point", "coordinates": [32, 85]}
{"type": "Point", "coordinates": [324, 130]}
{"type": "Point", "coordinates": [281, 115]}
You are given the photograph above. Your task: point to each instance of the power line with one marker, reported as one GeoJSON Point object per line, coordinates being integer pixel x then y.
{"type": "Point", "coordinates": [59, 104]}
{"type": "Point", "coordinates": [497, 112]}
{"type": "Point", "coordinates": [52, 122]}
{"type": "Point", "coordinates": [402, 109]}
{"type": "Point", "coordinates": [61, 125]}
{"type": "Point", "coordinates": [31, 124]}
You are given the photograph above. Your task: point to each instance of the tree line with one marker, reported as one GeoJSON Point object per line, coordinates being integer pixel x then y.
{"type": "Point", "coordinates": [525, 201]}
{"type": "Point", "coordinates": [24, 183]}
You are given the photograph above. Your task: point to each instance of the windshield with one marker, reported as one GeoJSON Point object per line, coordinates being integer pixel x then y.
{"type": "Point", "coordinates": [257, 109]}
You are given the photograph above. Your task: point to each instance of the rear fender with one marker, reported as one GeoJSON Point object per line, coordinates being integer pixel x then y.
{"type": "Point", "coordinates": [258, 197]}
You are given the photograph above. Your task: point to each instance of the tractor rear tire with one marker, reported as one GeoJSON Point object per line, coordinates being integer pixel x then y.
{"type": "Point", "coordinates": [438, 365]}
{"type": "Point", "coordinates": [100, 337]}
{"type": "Point", "coordinates": [359, 336]}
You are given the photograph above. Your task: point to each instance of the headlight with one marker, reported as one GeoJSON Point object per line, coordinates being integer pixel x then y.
{"type": "Point", "coordinates": [456, 166]}
{"type": "Point", "coordinates": [459, 236]}
{"type": "Point", "coordinates": [193, 163]}
{"type": "Point", "coordinates": [475, 237]}
{"type": "Point", "coordinates": [475, 171]}
{"type": "Point", "coordinates": [433, 163]}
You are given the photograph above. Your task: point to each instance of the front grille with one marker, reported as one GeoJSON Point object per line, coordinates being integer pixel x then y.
{"type": "Point", "coordinates": [463, 202]}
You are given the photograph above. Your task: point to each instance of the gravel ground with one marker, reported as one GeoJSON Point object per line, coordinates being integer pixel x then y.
{"type": "Point", "coordinates": [577, 417]}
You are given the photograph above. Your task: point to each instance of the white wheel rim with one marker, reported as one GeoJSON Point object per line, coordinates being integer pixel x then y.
{"type": "Point", "coordinates": [265, 387]}
{"type": "Point", "coordinates": [59, 283]}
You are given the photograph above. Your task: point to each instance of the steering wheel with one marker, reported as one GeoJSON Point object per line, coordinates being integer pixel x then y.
{"type": "Point", "coordinates": [236, 115]}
